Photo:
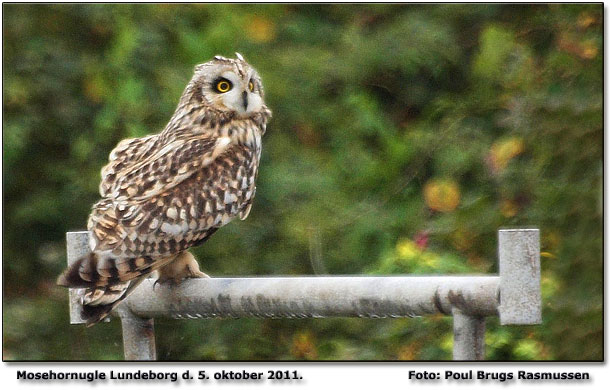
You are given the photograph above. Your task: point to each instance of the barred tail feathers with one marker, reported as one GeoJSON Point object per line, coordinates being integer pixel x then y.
{"type": "Point", "coordinates": [99, 302]}
{"type": "Point", "coordinates": [97, 270]}
{"type": "Point", "coordinates": [108, 280]}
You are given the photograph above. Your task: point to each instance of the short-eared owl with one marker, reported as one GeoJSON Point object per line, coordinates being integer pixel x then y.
{"type": "Point", "coordinates": [167, 192]}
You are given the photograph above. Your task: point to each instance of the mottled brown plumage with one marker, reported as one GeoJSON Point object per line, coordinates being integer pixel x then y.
{"type": "Point", "coordinates": [165, 193]}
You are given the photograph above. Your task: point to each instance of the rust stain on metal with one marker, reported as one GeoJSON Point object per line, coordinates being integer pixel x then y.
{"type": "Point", "coordinates": [148, 329]}
{"type": "Point", "coordinates": [458, 300]}
{"type": "Point", "coordinates": [436, 300]}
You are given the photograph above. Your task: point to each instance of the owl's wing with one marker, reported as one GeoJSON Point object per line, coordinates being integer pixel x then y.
{"type": "Point", "coordinates": [130, 237]}
{"type": "Point", "coordinates": [125, 154]}
{"type": "Point", "coordinates": [145, 210]}
{"type": "Point", "coordinates": [161, 169]}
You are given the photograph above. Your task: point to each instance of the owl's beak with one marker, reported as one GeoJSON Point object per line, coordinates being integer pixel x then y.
{"type": "Point", "coordinates": [245, 100]}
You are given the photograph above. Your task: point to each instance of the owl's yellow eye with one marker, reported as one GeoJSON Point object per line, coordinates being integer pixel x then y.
{"type": "Point", "coordinates": [223, 86]}
{"type": "Point", "coordinates": [251, 86]}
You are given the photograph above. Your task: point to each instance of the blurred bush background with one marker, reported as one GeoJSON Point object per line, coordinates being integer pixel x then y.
{"type": "Point", "coordinates": [403, 137]}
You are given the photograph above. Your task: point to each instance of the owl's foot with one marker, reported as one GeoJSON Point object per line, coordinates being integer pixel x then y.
{"type": "Point", "coordinates": [182, 267]}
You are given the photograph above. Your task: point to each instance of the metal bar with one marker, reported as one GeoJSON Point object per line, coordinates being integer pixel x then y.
{"type": "Point", "coordinates": [468, 337]}
{"type": "Point", "coordinates": [316, 297]}
{"type": "Point", "coordinates": [77, 246]}
{"type": "Point", "coordinates": [514, 296]}
{"type": "Point", "coordinates": [519, 257]}
{"type": "Point", "coordinates": [138, 335]}
{"type": "Point", "coordinates": [301, 297]}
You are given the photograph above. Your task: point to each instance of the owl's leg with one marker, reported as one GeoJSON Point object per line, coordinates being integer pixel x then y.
{"type": "Point", "coordinates": [182, 267]}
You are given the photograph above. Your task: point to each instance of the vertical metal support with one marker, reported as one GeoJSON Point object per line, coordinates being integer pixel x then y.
{"type": "Point", "coordinates": [468, 337]}
{"type": "Point", "coordinates": [520, 296]}
{"type": "Point", "coordinates": [77, 246]}
{"type": "Point", "coordinates": [517, 292]}
{"type": "Point", "coordinates": [138, 333]}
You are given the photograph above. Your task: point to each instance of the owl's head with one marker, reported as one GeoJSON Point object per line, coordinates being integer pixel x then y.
{"type": "Point", "coordinates": [229, 85]}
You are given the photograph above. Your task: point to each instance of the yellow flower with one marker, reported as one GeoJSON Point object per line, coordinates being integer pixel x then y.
{"type": "Point", "coordinates": [446, 342]}
{"type": "Point", "coordinates": [260, 29]}
{"type": "Point", "coordinates": [409, 351]}
{"type": "Point", "coordinates": [589, 50]}
{"type": "Point", "coordinates": [303, 346]}
{"type": "Point", "coordinates": [528, 349]}
{"type": "Point", "coordinates": [586, 50]}
{"type": "Point", "coordinates": [407, 249]}
{"type": "Point", "coordinates": [508, 208]}
{"type": "Point", "coordinates": [585, 20]}
{"type": "Point", "coordinates": [503, 151]}
{"type": "Point", "coordinates": [442, 194]}
{"type": "Point", "coordinates": [430, 259]}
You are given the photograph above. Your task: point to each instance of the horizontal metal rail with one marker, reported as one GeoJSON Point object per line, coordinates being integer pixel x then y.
{"type": "Point", "coordinates": [514, 296]}
{"type": "Point", "coordinates": [318, 297]}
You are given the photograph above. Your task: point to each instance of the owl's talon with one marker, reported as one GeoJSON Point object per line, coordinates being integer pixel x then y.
{"type": "Point", "coordinates": [155, 283]}
{"type": "Point", "coordinates": [198, 274]}
{"type": "Point", "coordinates": [167, 282]}
{"type": "Point", "coordinates": [184, 266]}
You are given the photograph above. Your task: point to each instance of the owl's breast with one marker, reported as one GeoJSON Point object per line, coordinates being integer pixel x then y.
{"type": "Point", "coordinates": [226, 188]}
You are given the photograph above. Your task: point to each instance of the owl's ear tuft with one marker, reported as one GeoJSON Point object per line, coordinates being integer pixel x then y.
{"type": "Point", "coordinates": [239, 56]}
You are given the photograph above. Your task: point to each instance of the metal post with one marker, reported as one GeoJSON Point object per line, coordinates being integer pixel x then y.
{"type": "Point", "coordinates": [468, 336]}
{"type": "Point", "coordinates": [77, 247]}
{"type": "Point", "coordinates": [519, 257]}
{"type": "Point", "coordinates": [138, 333]}
{"type": "Point", "coordinates": [514, 295]}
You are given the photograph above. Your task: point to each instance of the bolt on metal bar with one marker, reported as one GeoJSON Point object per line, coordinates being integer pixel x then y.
{"type": "Point", "coordinates": [514, 296]}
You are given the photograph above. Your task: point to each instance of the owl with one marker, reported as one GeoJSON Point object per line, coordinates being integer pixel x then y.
{"type": "Point", "coordinates": [165, 193]}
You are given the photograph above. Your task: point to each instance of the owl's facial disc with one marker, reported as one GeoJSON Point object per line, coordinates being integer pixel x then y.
{"type": "Point", "coordinates": [238, 94]}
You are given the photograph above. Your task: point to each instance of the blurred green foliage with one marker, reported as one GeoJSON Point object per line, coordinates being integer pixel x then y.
{"type": "Point", "coordinates": [403, 137]}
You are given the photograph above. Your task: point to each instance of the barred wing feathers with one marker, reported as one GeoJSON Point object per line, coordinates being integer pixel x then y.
{"type": "Point", "coordinates": [122, 157]}
{"type": "Point", "coordinates": [172, 200]}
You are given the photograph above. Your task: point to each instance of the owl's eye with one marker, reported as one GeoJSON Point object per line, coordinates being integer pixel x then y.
{"type": "Point", "coordinates": [223, 85]}
{"type": "Point", "coordinates": [251, 86]}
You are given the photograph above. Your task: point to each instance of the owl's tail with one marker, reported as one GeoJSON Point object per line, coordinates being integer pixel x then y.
{"type": "Point", "coordinates": [100, 270]}
{"type": "Point", "coordinates": [98, 302]}
{"type": "Point", "coordinates": [108, 281]}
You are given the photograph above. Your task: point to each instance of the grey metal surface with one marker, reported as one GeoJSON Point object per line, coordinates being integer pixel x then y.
{"type": "Point", "coordinates": [138, 335]}
{"type": "Point", "coordinates": [514, 296]}
{"type": "Point", "coordinates": [519, 257]}
{"type": "Point", "coordinates": [316, 297]}
{"type": "Point", "coordinates": [468, 337]}
{"type": "Point", "coordinates": [77, 246]}
{"type": "Point", "coordinates": [301, 297]}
